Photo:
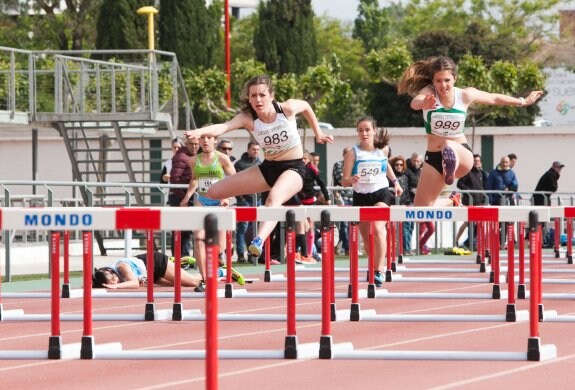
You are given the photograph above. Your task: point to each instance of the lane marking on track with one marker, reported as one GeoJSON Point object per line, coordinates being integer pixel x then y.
{"type": "Point", "coordinates": [537, 365]}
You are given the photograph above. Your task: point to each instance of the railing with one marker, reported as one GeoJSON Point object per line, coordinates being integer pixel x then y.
{"type": "Point", "coordinates": [48, 83]}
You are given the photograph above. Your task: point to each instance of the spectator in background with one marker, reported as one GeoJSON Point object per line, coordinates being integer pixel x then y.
{"type": "Point", "coordinates": [341, 198]}
{"type": "Point", "coordinates": [248, 159]}
{"type": "Point", "coordinates": [548, 183]}
{"type": "Point", "coordinates": [225, 145]}
{"type": "Point", "coordinates": [308, 196]}
{"type": "Point", "coordinates": [413, 171]}
{"type": "Point", "coordinates": [475, 180]}
{"type": "Point", "coordinates": [314, 161]}
{"type": "Point", "coordinates": [502, 178]}
{"type": "Point", "coordinates": [165, 176]}
{"type": "Point", "coordinates": [398, 164]}
{"type": "Point", "coordinates": [512, 160]}
{"type": "Point", "coordinates": [181, 173]}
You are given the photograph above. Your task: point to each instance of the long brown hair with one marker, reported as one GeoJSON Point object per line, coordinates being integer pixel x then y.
{"type": "Point", "coordinates": [420, 74]}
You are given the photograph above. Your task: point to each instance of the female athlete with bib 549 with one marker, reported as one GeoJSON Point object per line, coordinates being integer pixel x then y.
{"type": "Point", "coordinates": [444, 107]}
{"type": "Point", "coordinates": [274, 127]}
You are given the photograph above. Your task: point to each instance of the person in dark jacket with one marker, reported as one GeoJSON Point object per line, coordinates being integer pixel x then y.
{"type": "Point", "coordinates": [475, 180]}
{"type": "Point", "coordinates": [548, 183]}
{"type": "Point", "coordinates": [181, 173]}
{"type": "Point", "coordinates": [248, 159]}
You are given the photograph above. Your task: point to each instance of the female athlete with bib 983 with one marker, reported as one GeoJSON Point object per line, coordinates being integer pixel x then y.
{"type": "Point", "coordinates": [273, 125]}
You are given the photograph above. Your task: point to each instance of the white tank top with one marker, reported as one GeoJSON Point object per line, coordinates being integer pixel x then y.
{"type": "Point", "coordinates": [278, 136]}
{"type": "Point", "coordinates": [448, 123]}
{"type": "Point", "coordinates": [371, 166]}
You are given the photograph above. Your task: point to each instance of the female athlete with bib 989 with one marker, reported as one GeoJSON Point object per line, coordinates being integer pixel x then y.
{"type": "Point", "coordinates": [444, 107]}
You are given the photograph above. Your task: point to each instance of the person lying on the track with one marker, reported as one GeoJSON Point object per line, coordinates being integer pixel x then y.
{"type": "Point", "coordinates": [132, 273]}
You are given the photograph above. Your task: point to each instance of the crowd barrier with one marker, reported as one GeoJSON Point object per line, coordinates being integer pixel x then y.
{"type": "Point", "coordinates": [212, 219]}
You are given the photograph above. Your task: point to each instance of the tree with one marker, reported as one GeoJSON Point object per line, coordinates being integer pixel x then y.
{"type": "Point", "coordinates": [285, 37]}
{"type": "Point", "coordinates": [70, 28]}
{"type": "Point", "coordinates": [375, 27]}
{"type": "Point", "coordinates": [119, 27]}
{"type": "Point", "coordinates": [192, 31]}
{"type": "Point", "coordinates": [487, 38]}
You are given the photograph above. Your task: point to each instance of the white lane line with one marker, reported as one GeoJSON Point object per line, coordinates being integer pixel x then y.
{"type": "Point", "coordinates": [529, 366]}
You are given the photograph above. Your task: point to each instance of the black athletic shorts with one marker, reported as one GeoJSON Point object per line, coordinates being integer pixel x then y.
{"type": "Point", "coordinates": [382, 195]}
{"type": "Point", "coordinates": [272, 170]}
{"type": "Point", "coordinates": [160, 264]}
{"type": "Point", "coordinates": [435, 159]}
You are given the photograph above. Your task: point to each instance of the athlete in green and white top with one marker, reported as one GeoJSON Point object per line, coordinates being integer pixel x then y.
{"type": "Point", "coordinates": [448, 122]}
{"type": "Point", "coordinates": [208, 168]}
{"type": "Point", "coordinates": [207, 174]}
{"type": "Point", "coordinates": [448, 157]}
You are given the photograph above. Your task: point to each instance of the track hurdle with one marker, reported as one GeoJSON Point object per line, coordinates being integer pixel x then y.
{"type": "Point", "coordinates": [87, 219]}
{"type": "Point", "coordinates": [491, 214]}
{"type": "Point", "coordinates": [535, 351]}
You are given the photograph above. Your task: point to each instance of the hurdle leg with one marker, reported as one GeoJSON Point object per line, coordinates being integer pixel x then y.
{"type": "Point", "coordinates": [557, 237]}
{"type": "Point", "coordinates": [370, 263]}
{"type": "Point", "coordinates": [267, 271]}
{"type": "Point", "coordinates": [353, 292]}
{"type": "Point", "coordinates": [228, 289]}
{"type": "Point", "coordinates": [177, 306]}
{"type": "Point", "coordinates": [510, 313]}
{"type": "Point", "coordinates": [87, 344]}
{"type": "Point", "coordinates": [569, 253]}
{"type": "Point", "coordinates": [521, 293]}
{"type": "Point", "coordinates": [325, 341]}
{"type": "Point", "coordinates": [66, 283]}
{"type": "Point", "coordinates": [149, 311]}
{"type": "Point", "coordinates": [290, 345]}
{"type": "Point", "coordinates": [534, 342]}
{"type": "Point", "coordinates": [55, 343]}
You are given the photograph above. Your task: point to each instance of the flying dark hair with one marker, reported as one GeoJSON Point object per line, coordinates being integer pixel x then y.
{"type": "Point", "coordinates": [420, 74]}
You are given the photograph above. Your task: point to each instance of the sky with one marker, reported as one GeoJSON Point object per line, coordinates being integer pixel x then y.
{"type": "Point", "coordinates": [338, 9]}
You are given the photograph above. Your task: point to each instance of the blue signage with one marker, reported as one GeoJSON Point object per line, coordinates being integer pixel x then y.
{"type": "Point", "coordinates": [429, 214]}
{"type": "Point", "coordinates": [58, 220]}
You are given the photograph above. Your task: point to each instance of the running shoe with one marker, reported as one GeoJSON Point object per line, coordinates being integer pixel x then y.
{"type": "Point", "coordinates": [448, 161]}
{"type": "Point", "coordinates": [456, 199]}
{"type": "Point", "coordinates": [424, 250]}
{"type": "Point", "coordinates": [378, 278]}
{"type": "Point", "coordinates": [307, 260]}
{"type": "Point", "coordinates": [237, 277]}
{"type": "Point", "coordinates": [186, 262]}
{"type": "Point", "coordinates": [200, 287]}
{"type": "Point", "coordinates": [256, 246]}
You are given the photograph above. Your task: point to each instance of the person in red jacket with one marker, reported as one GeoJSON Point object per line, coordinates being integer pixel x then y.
{"type": "Point", "coordinates": [181, 173]}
